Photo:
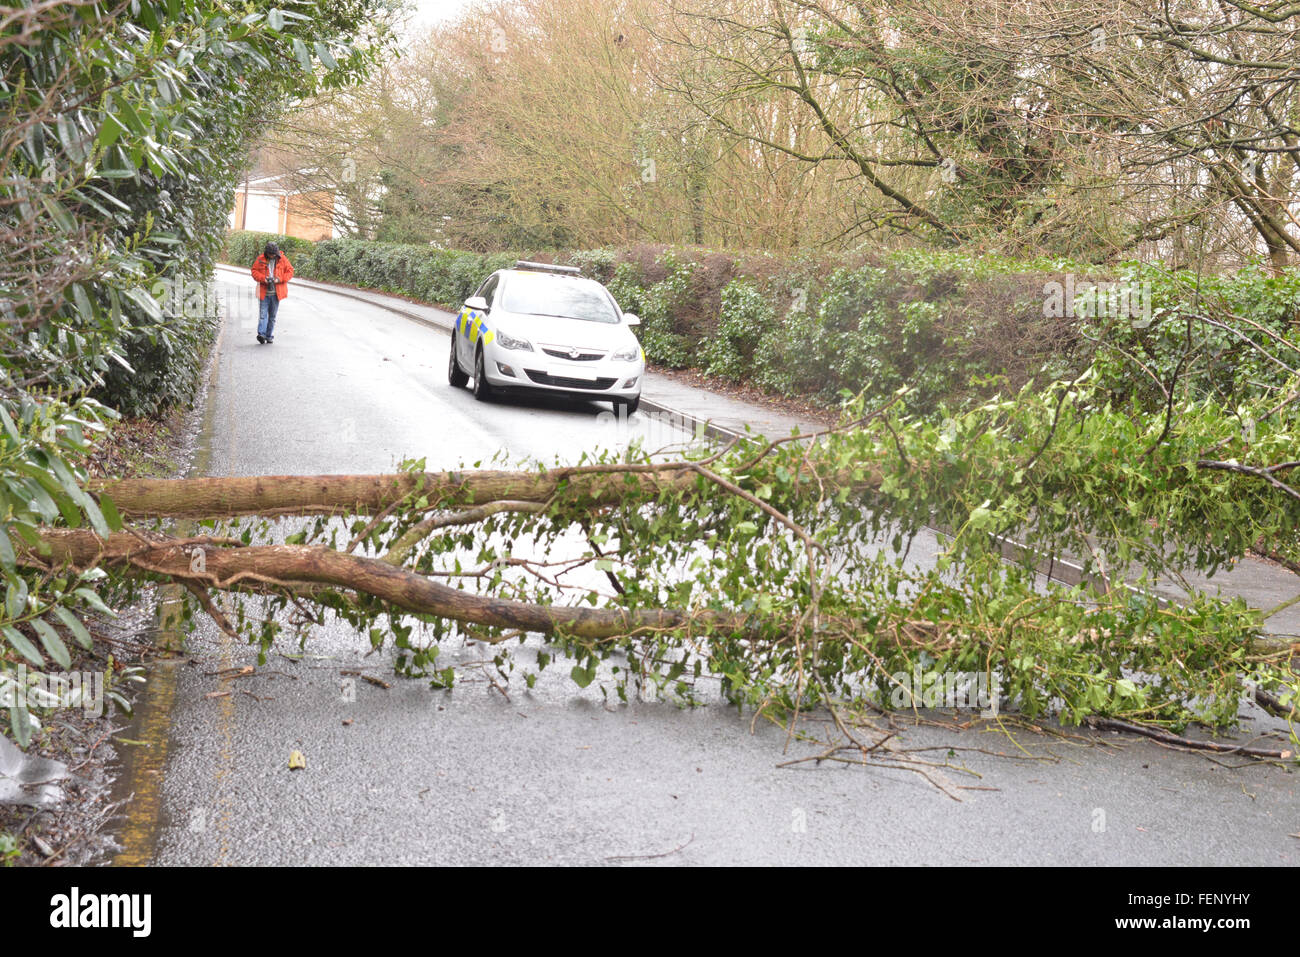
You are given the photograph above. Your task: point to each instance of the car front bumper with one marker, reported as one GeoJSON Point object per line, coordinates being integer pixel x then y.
{"type": "Point", "coordinates": [598, 378]}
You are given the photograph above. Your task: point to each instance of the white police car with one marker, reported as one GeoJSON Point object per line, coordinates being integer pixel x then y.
{"type": "Point", "coordinates": [546, 328]}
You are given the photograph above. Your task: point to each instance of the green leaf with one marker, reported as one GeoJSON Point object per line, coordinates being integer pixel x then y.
{"type": "Point", "coordinates": [23, 646]}
{"type": "Point", "coordinates": [94, 601]}
{"type": "Point", "coordinates": [68, 137]}
{"type": "Point", "coordinates": [581, 676]}
{"type": "Point", "coordinates": [96, 517]}
{"type": "Point", "coordinates": [146, 302]}
{"type": "Point", "coordinates": [109, 132]}
{"type": "Point", "coordinates": [16, 598]}
{"type": "Point", "coordinates": [74, 625]}
{"type": "Point", "coordinates": [130, 118]}
{"type": "Point", "coordinates": [10, 429]}
{"type": "Point", "coordinates": [53, 643]}
{"type": "Point", "coordinates": [82, 300]}
{"type": "Point", "coordinates": [148, 15]}
{"type": "Point", "coordinates": [57, 213]}
{"type": "Point", "coordinates": [165, 89]}
{"type": "Point", "coordinates": [20, 724]}
{"type": "Point", "coordinates": [303, 55]}
{"type": "Point", "coordinates": [109, 511]}
{"type": "Point", "coordinates": [326, 57]}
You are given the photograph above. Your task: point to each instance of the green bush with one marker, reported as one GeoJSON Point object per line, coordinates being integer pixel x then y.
{"type": "Point", "coordinates": [242, 248]}
{"type": "Point", "coordinates": [1220, 363]}
{"type": "Point", "coordinates": [950, 327]}
{"type": "Point", "coordinates": [661, 305]}
{"type": "Point", "coordinates": [167, 362]}
{"type": "Point", "coordinates": [442, 276]}
{"type": "Point", "coordinates": [745, 316]}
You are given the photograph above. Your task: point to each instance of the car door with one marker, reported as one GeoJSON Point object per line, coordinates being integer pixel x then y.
{"type": "Point", "coordinates": [464, 349]}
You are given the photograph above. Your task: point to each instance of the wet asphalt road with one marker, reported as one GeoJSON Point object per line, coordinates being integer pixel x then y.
{"type": "Point", "coordinates": [553, 775]}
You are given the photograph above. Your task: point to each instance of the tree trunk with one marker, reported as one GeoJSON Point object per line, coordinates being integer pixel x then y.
{"type": "Point", "coordinates": [293, 566]}
{"type": "Point", "coordinates": [336, 494]}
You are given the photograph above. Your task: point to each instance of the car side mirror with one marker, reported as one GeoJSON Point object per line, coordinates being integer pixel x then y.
{"type": "Point", "coordinates": [631, 318]}
{"type": "Point", "coordinates": [478, 304]}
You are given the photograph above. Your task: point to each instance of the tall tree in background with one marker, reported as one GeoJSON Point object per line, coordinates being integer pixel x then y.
{"type": "Point", "coordinates": [1042, 125]}
{"type": "Point", "coordinates": [1048, 126]}
{"type": "Point", "coordinates": [509, 128]}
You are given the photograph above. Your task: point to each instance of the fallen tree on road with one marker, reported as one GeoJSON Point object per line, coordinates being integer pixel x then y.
{"type": "Point", "coordinates": [778, 568]}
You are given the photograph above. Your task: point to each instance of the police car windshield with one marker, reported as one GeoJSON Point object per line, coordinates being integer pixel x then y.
{"type": "Point", "coordinates": [537, 294]}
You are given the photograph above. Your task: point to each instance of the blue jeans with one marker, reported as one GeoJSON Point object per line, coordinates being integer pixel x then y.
{"type": "Point", "coordinates": [270, 305]}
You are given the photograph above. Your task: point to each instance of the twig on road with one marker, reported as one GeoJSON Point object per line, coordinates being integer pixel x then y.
{"type": "Point", "coordinates": [651, 857]}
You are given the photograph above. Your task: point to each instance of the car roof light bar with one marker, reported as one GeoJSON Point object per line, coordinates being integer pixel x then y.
{"type": "Point", "coordinates": [547, 267]}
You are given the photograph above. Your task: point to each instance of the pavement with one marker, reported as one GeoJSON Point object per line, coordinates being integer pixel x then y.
{"type": "Point", "coordinates": [556, 774]}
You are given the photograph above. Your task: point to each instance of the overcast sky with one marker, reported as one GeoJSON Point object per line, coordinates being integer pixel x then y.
{"type": "Point", "coordinates": [429, 12]}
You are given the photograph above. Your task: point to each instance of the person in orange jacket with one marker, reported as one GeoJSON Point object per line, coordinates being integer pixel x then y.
{"type": "Point", "coordinates": [272, 272]}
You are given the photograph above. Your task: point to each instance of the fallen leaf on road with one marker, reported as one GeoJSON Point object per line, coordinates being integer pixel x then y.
{"type": "Point", "coordinates": [346, 722]}
{"type": "Point", "coordinates": [42, 845]}
{"type": "Point", "coordinates": [376, 681]}
{"type": "Point", "coordinates": [217, 694]}
{"type": "Point", "coordinates": [296, 761]}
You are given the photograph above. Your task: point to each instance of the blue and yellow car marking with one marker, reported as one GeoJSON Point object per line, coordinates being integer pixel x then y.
{"type": "Point", "coordinates": [472, 327]}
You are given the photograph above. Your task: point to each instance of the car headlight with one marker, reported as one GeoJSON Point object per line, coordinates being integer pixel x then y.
{"type": "Point", "coordinates": [509, 342]}
{"type": "Point", "coordinates": [630, 354]}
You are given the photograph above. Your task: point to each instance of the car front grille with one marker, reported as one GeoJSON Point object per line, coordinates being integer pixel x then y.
{"type": "Point", "coordinates": [563, 352]}
{"type": "Point", "coordinates": [564, 382]}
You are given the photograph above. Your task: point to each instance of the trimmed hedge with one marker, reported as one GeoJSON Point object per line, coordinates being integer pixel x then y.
{"type": "Point", "coordinates": [952, 327]}
{"type": "Point", "coordinates": [241, 248]}
{"type": "Point", "coordinates": [166, 360]}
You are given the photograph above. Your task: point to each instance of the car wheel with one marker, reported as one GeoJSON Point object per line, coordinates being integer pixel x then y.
{"type": "Point", "coordinates": [454, 374]}
{"type": "Point", "coordinates": [630, 404]}
{"type": "Point", "coordinates": [482, 388]}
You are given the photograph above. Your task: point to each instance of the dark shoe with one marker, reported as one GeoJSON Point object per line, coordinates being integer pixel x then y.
{"type": "Point", "coordinates": [259, 338]}
{"type": "Point", "coordinates": [270, 339]}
